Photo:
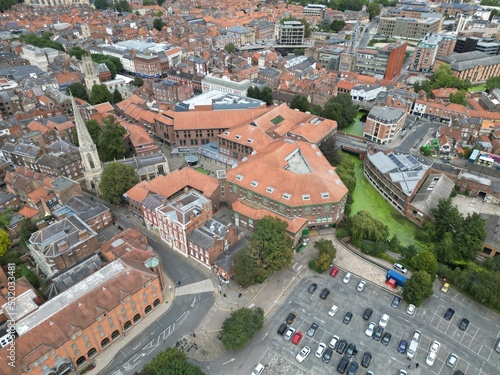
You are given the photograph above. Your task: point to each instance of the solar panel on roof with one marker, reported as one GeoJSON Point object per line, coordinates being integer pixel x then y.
{"type": "Point", "coordinates": [396, 161]}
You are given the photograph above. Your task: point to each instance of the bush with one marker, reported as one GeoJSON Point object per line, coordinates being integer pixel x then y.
{"type": "Point", "coordinates": [341, 233]}
{"type": "Point", "coordinates": [239, 328]}
{"type": "Point", "coordinates": [325, 257]}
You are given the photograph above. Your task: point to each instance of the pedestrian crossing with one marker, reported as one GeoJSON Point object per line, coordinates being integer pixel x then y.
{"type": "Point", "coordinates": [195, 288]}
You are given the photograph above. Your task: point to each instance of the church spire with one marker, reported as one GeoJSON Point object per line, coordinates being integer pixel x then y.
{"type": "Point", "coordinates": [84, 139]}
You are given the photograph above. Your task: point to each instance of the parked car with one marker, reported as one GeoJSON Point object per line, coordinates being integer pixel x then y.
{"type": "Point", "coordinates": [289, 334]}
{"type": "Point", "coordinates": [282, 329]}
{"type": "Point", "coordinates": [452, 360]}
{"type": "Point", "coordinates": [320, 350]}
{"type": "Point", "coordinates": [351, 350]}
{"type": "Point", "coordinates": [296, 339]}
{"type": "Point", "coordinates": [327, 355]}
{"type": "Point", "coordinates": [445, 288]}
{"type": "Point", "coordinates": [369, 330]}
{"type": "Point", "coordinates": [464, 323]}
{"type": "Point", "coordinates": [458, 372]}
{"type": "Point", "coordinates": [312, 288]}
{"type": "Point", "coordinates": [347, 317]}
{"type": "Point", "coordinates": [402, 346]}
{"type": "Point", "coordinates": [497, 346]}
{"type": "Point", "coordinates": [324, 293]}
{"type": "Point", "coordinates": [400, 267]}
{"type": "Point", "coordinates": [396, 300]}
{"type": "Point", "coordinates": [402, 372]}
{"type": "Point", "coordinates": [353, 367]}
{"type": "Point", "coordinates": [334, 272]}
{"type": "Point", "coordinates": [435, 347]}
{"type": "Point", "coordinates": [341, 347]}
{"type": "Point", "coordinates": [431, 357]}
{"type": "Point", "coordinates": [416, 335]}
{"type": "Point", "coordinates": [303, 354]}
{"type": "Point", "coordinates": [411, 309]}
{"type": "Point", "coordinates": [259, 369]}
{"type": "Point", "coordinates": [384, 320]}
{"type": "Point", "coordinates": [344, 362]}
{"type": "Point", "coordinates": [361, 286]}
{"type": "Point", "coordinates": [347, 278]}
{"type": "Point", "coordinates": [333, 310]}
{"type": "Point", "coordinates": [367, 314]}
{"type": "Point", "coordinates": [312, 330]}
{"type": "Point", "coordinates": [449, 314]}
{"type": "Point", "coordinates": [291, 318]}
{"type": "Point", "coordinates": [367, 358]}
{"type": "Point", "coordinates": [377, 334]}
{"type": "Point", "coordinates": [333, 342]}
{"type": "Point", "coordinates": [386, 339]}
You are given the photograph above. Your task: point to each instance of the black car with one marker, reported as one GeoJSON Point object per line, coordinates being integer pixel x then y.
{"type": "Point", "coordinates": [324, 293]}
{"type": "Point", "coordinates": [344, 362]}
{"type": "Point", "coordinates": [312, 330]}
{"type": "Point", "coordinates": [367, 314]}
{"type": "Point", "coordinates": [327, 355]}
{"type": "Point", "coordinates": [282, 329]}
{"type": "Point", "coordinates": [449, 314]}
{"type": "Point", "coordinates": [351, 350]}
{"type": "Point", "coordinates": [395, 302]}
{"type": "Point", "coordinates": [347, 317]}
{"type": "Point", "coordinates": [353, 368]}
{"type": "Point", "coordinates": [386, 339]}
{"type": "Point", "coordinates": [290, 318]}
{"type": "Point", "coordinates": [464, 323]}
{"type": "Point", "coordinates": [341, 346]}
{"type": "Point", "coordinates": [377, 334]}
{"type": "Point", "coordinates": [367, 358]}
{"type": "Point", "coordinates": [312, 288]}
{"type": "Point", "coordinates": [458, 372]}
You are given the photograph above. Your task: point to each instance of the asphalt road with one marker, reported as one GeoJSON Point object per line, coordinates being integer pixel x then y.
{"type": "Point", "coordinates": [365, 38]}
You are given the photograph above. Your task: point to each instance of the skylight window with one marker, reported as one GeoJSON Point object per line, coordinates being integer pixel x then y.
{"type": "Point", "coordinates": [325, 195]}
{"type": "Point", "coordinates": [239, 177]}
{"type": "Point", "coordinates": [238, 136]}
{"type": "Point", "coordinates": [287, 196]}
{"type": "Point", "coordinates": [249, 140]}
{"type": "Point", "coordinates": [270, 189]}
{"type": "Point", "coordinates": [254, 183]}
{"type": "Point", "coordinates": [306, 197]}
{"type": "Point", "coordinates": [226, 133]}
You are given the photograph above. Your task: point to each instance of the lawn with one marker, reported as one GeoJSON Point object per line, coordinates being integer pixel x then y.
{"type": "Point", "coordinates": [479, 88]}
{"type": "Point", "coordinates": [356, 128]}
{"type": "Point", "coordinates": [202, 170]}
{"type": "Point", "coordinates": [366, 197]}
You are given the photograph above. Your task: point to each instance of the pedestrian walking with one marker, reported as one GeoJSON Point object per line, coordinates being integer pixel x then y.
{"type": "Point", "coordinates": [418, 364]}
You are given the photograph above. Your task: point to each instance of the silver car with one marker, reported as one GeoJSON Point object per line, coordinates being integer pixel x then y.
{"type": "Point", "coordinates": [289, 334]}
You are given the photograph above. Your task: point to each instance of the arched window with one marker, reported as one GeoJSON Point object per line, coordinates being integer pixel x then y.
{"type": "Point", "coordinates": [148, 309]}
{"type": "Point", "coordinates": [92, 353]}
{"type": "Point", "coordinates": [137, 318]}
{"type": "Point", "coordinates": [105, 343]}
{"type": "Point", "coordinates": [80, 361]}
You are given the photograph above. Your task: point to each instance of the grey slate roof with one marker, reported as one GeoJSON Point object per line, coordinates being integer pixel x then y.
{"type": "Point", "coordinates": [85, 208]}
{"type": "Point", "coordinates": [386, 114]}
{"type": "Point", "coordinates": [6, 196]}
{"type": "Point", "coordinates": [435, 187]}
{"type": "Point", "coordinates": [469, 60]}
{"type": "Point", "coordinates": [20, 72]}
{"type": "Point", "coordinates": [492, 225]}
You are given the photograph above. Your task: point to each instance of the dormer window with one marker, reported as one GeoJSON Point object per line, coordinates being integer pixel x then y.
{"type": "Point", "coordinates": [239, 177]}
{"type": "Point", "coordinates": [238, 136]}
{"type": "Point", "coordinates": [270, 189]}
{"type": "Point", "coordinates": [254, 183]}
{"type": "Point", "coordinates": [287, 196]}
{"type": "Point", "coordinates": [226, 133]}
{"type": "Point", "coordinates": [306, 197]}
{"type": "Point", "coordinates": [325, 195]}
{"type": "Point", "coordinates": [249, 140]}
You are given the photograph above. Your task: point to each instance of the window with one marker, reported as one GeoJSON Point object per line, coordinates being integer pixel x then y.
{"type": "Point", "coordinates": [73, 346]}
{"type": "Point", "coordinates": [306, 197]}
{"type": "Point", "coordinates": [270, 189]}
{"type": "Point", "coordinates": [110, 320]}
{"type": "Point", "coordinates": [287, 196]}
{"type": "Point", "coordinates": [99, 328]}
{"type": "Point", "coordinates": [254, 183]}
{"type": "Point", "coordinates": [239, 177]}
{"type": "Point", "coordinates": [85, 338]}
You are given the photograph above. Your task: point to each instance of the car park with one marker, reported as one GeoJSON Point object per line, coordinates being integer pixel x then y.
{"type": "Point", "coordinates": [327, 355]}
{"type": "Point", "coordinates": [347, 278]}
{"type": "Point", "coordinates": [411, 309]}
{"type": "Point", "coordinates": [386, 339]}
{"type": "Point", "coordinates": [367, 314]}
{"type": "Point", "coordinates": [334, 272]}
{"type": "Point", "coordinates": [333, 310]}
{"type": "Point", "coordinates": [361, 286]}
{"type": "Point", "coordinates": [347, 318]}
{"type": "Point", "coordinates": [400, 267]}
{"type": "Point", "coordinates": [353, 367]}
{"type": "Point", "coordinates": [435, 347]}
{"type": "Point", "coordinates": [282, 329]}
{"type": "Point", "coordinates": [384, 320]}
{"type": "Point", "coordinates": [412, 349]}
{"type": "Point", "coordinates": [369, 330]}
{"type": "Point", "coordinates": [259, 369]}
{"type": "Point", "coordinates": [431, 357]}
{"type": "Point", "coordinates": [452, 360]}
{"type": "Point", "coordinates": [291, 318]}
{"type": "Point", "coordinates": [449, 314]}
{"type": "Point", "coordinates": [312, 330]}
{"type": "Point", "coordinates": [289, 334]}
{"type": "Point", "coordinates": [344, 362]}
{"type": "Point", "coordinates": [396, 300]}
{"type": "Point", "coordinates": [297, 337]}
{"type": "Point", "coordinates": [333, 342]}
{"type": "Point", "coordinates": [324, 293]}
{"type": "Point", "coordinates": [367, 358]}
{"type": "Point", "coordinates": [320, 350]}
{"type": "Point", "coordinates": [303, 354]}
{"type": "Point", "coordinates": [402, 346]}
{"type": "Point", "coordinates": [341, 347]}
{"type": "Point", "coordinates": [312, 288]}
{"type": "Point", "coordinates": [445, 288]}
{"type": "Point", "coordinates": [377, 334]}
{"type": "Point", "coordinates": [464, 323]}
{"type": "Point", "coordinates": [351, 350]}
{"type": "Point", "coordinates": [416, 336]}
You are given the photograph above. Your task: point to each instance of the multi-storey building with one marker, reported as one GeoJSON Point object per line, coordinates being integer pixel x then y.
{"type": "Point", "coordinates": [264, 30]}
{"type": "Point", "coordinates": [94, 214]}
{"type": "Point", "coordinates": [242, 34]}
{"type": "Point", "coordinates": [62, 159]}
{"type": "Point", "coordinates": [383, 124]}
{"type": "Point", "coordinates": [289, 33]}
{"type": "Point", "coordinates": [410, 28]}
{"type": "Point", "coordinates": [225, 84]}
{"type": "Point", "coordinates": [428, 48]}
{"type": "Point", "coordinates": [22, 154]}
{"type": "Point", "coordinates": [9, 103]}
{"type": "Point", "coordinates": [315, 10]}
{"type": "Point", "coordinates": [472, 66]}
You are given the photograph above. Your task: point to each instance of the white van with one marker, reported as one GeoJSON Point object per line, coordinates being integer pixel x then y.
{"type": "Point", "coordinates": [412, 349]}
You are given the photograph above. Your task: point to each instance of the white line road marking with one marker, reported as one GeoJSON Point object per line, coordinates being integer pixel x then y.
{"type": "Point", "coordinates": [265, 336]}
{"type": "Point", "coordinates": [231, 360]}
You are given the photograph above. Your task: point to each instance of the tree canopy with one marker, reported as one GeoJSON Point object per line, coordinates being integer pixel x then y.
{"type": "Point", "coordinates": [266, 95]}
{"type": "Point", "coordinates": [341, 109]}
{"type": "Point", "coordinates": [41, 41]}
{"type": "Point", "coordinates": [425, 261]}
{"type": "Point", "coordinates": [326, 254]}
{"type": "Point", "coordinates": [331, 152]}
{"type": "Point", "coordinates": [364, 227]}
{"type": "Point", "coordinates": [230, 47]}
{"type": "Point", "coordinates": [158, 24]}
{"type": "Point", "coordinates": [138, 81]}
{"type": "Point", "coordinates": [116, 179]}
{"type": "Point", "coordinates": [100, 94]}
{"type": "Point", "coordinates": [418, 288]}
{"type": "Point", "coordinates": [441, 78]}
{"type": "Point", "coordinates": [78, 52]}
{"type": "Point", "coordinates": [493, 83]}
{"type": "Point", "coordinates": [300, 102]}
{"type": "Point", "coordinates": [4, 242]}
{"type": "Point", "coordinates": [171, 361]}
{"type": "Point", "coordinates": [239, 328]}
{"type": "Point", "coordinates": [7, 4]}
{"type": "Point", "coordinates": [373, 10]}
{"type": "Point", "coordinates": [110, 145]}
{"type": "Point", "coordinates": [78, 91]}
{"type": "Point", "coordinates": [460, 97]}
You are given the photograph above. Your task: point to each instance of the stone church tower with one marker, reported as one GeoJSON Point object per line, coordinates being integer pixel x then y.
{"type": "Point", "coordinates": [89, 73]}
{"type": "Point", "coordinates": [92, 165]}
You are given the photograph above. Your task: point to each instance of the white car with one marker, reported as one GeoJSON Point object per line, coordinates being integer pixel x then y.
{"type": "Point", "coordinates": [259, 369]}
{"type": "Point", "coordinates": [431, 357]}
{"type": "Point", "coordinates": [303, 354]}
{"type": "Point", "coordinates": [411, 309]}
{"type": "Point", "coordinates": [333, 310]}
{"type": "Point", "coordinates": [320, 350]}
{"type": "Point", "coordinates": [347, 278]}
{"type": "Point", "coordinates": [370, 329]}
{"type": "Point", "coordinates": [333, 342]}
{"type": "Point", "coordinates": [289, 334]}
{"type": "Point", "coordinates": [361, 286]}
{"type": "Point", "coordinates": [435, 347]}
{"type": "Point", "coordinates": [400, 267]}
{"type": "Point", "coordinates": [384, 320]}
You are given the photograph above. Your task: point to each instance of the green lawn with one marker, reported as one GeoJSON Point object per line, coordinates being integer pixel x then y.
{"type": "Point", "coordinates": [479, 88]}
{"type": "Point", "coordinates": [355, 128]}
{"type": "Point", "coordinates": [366, 197]}
{"type": "Point", "coordinates": [202, 170]}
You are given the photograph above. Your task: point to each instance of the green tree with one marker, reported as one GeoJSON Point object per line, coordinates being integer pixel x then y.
{"type": "Point", "coordinates": [469, 236]}
{"type": "Point", "coordinates": [110, 145]}
{"type": "Point", "coordinates": [425, 261]}
{"type": "Point", "coordinates": [341, 109]}
{"type": "Point", "coordinates": [7, 4]}
{"type": "Point", "coordinates": [117, 97]}
{"type": "Point", "coordinates": [123, 6]}
{"type": "Point", "coordinates": [99, 58]}
{"type": "Point", "coordinates": [493, 83]}
{"type": "Point", "coordinates": [158, 24]}
{"type": "Point", "coordinates": [27, 228]}
{"type": "Point", "coordinates": [230, 47]}
{"type": "Point", "coordinates": [418, 288]}
{"type": "Point", "coordinates": [299, 51]}
{"type": "Point", "coordinates": [337, 25]}
{"type": "Point", "coordinates": [447, 218]}
{"type": "Point", "coordinates": [266, 95]}
{"type": "Point", "coordinates": [326, 254]}
{"type": "Point", "coordinates": [494, 13]}
{"type": "Point", "coordinates": [101, 4]}
{"type": "Point", "coordinates": [254, 92]}
{"type": "Point", "coordinates": [373, 10]}
{"type": "Point", "coordinates": [138, 81]}
{"type": "Point", "coordinates": [100, 94]}
{"type": "Point", "coordinates": [78, 91]}
{"type": "Point", "coordinates": [159, 13]}
{"type": "Point", "coordinates": [364, 227]}
{"type": "Point", "coordinates": [331, 152]}
{"type": "Point", "coordinates": [426, 151]}
{"type": "Point", "coordinates": [5, 218]}
{"type": "Point", "coordinates": [94, 129]}
{"type": "Point", "coordinates": [445, 249]}
{"type": "Point", "coordinates": [22, 270]}
{"type": "Point", "coordinates": [245, 268]}
{"type": "Point", "coordinates": [160, 2]}
{"type": "Point", "coordinates": [460, 97]}
{"type": "Point", "coordinates": [239, 328]}
{"type": "Point", "coordinates": [78, 52]}
{"type": "Point", "coordinates": [171, 361]}
{"type": "Point", "coordinates": [300, 102]}
{"type": "Point", "coordinates": [345, 170]}
{"type": "Point", "coordinates": [4, 242]}
{"type": "Point", "coordinates": [117, 179]}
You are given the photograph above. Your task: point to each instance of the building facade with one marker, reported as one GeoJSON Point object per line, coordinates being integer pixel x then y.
{"type": "Point", "coordinates": [410, 28]}
{"type": "Point", "coordinates": [289, 33]}
{"type": "Point", "coordinates": [383, 124]}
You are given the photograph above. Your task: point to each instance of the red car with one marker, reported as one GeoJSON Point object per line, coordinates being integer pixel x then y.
{"type": "Point", "coordinates": [334, 272]}
{"type": "Point", "coordinates": [296, 339]}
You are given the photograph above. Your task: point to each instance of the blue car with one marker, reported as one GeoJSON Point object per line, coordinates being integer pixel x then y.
{"type": "Point", "coordinates": [402, 346]}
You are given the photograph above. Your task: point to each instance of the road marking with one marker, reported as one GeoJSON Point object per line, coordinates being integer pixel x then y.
{"type": "Point", "coordinates": [231, 360]}
{"type": "Point", "coordinates": [264, 336]}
